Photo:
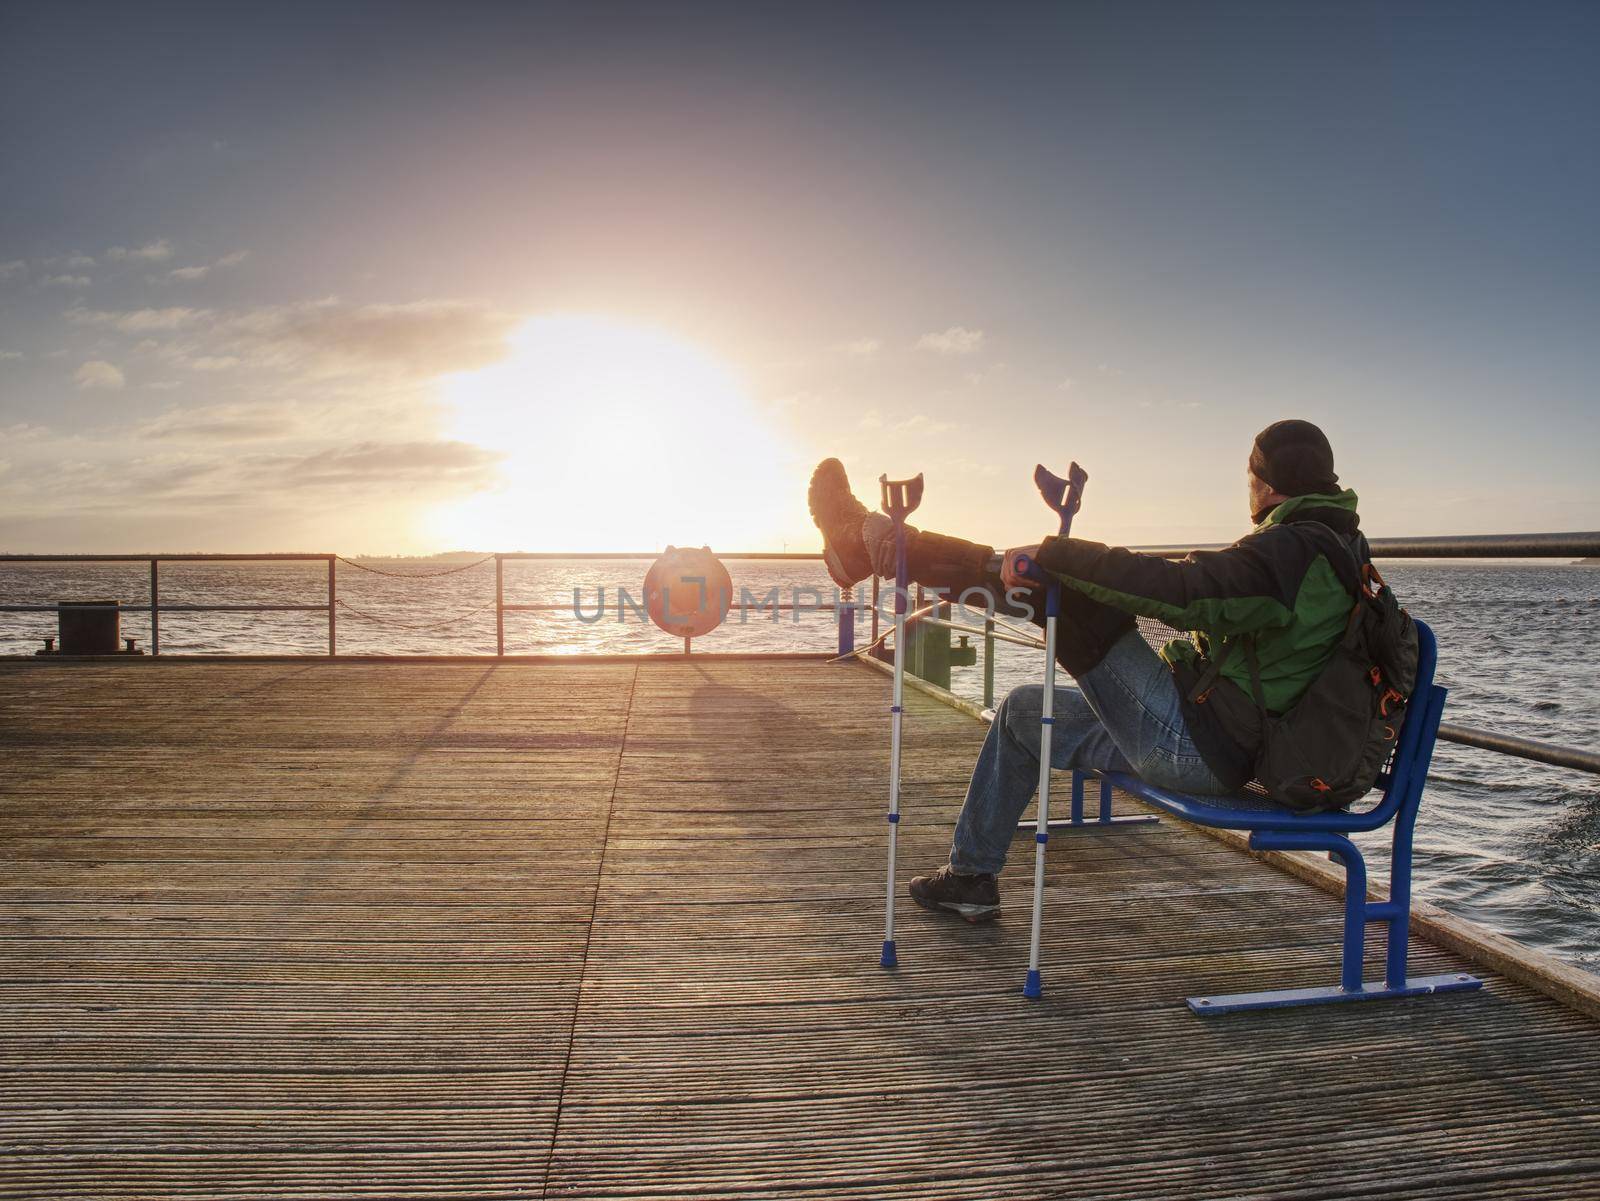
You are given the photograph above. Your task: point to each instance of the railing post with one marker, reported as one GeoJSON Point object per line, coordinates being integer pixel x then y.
{"type": "Point", "coordinates": [155, 611]}
{"type": "Point", "coordinates": [874, 610]}
{"type": "Point", "coordinates": [847, 622]}
{"type": "Point", "coordinates": [333, 620]}
{"type": "Point", "coordinates": [988, 663]}
{"type": "Point", "coordinates": [916, 642]}
{"type": "Point", "coordinates": [499, 605]}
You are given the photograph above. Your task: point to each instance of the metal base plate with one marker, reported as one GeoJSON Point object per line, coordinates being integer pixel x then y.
{"type": "Point", "coordinates": [1090, 823]}
{"type": "Point", "coordinates": [1415, 986]}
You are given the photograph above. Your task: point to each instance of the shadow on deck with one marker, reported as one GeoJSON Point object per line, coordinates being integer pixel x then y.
{"type": "Point", "coordinates": [604, 930]}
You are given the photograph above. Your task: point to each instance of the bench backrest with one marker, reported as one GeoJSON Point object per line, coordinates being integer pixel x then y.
{"type": "Point", "coordinates": [1402, 781]}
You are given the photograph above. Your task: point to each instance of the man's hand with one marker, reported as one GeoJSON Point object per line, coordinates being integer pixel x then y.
{"type": "Point", "coordinates": [1009, 574]}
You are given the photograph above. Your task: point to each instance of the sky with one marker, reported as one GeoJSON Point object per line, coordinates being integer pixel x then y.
{"type": "Point", "coordinates": [400, 278]}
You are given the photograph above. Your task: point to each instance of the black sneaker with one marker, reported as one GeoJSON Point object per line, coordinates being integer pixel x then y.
{"type": "Point", "coordinates": [975, 898]}
{"type": "Point", "coordinates": [838, 515]}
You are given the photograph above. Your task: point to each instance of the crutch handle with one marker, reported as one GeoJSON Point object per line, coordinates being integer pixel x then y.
{"type": "Point", "coordinates": [901, 497]}
{"type": "Point", "coordinates": [1027, 565]}
{"type": "Point", "coordinates": [1064, 496]}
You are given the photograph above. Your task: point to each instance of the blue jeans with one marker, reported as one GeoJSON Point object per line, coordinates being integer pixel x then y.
{"type": "Point", "coordinates": [1123, 716]}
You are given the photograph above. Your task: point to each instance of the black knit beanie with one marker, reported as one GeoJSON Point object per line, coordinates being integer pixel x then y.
{"type": "Point", "coordinates": [1294, 458]}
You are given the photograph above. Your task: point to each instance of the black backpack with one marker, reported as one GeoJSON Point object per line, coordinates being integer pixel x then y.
{"type": "Point", "coordinates": [1327, 750]}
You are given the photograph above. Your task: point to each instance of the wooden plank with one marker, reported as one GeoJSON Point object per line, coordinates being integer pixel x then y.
{"type": "Point", "coordinates": [468, 929]}
{"type": "Point", "coordinates": [278, 931]}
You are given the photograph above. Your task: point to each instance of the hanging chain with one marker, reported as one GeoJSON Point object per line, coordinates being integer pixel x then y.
{"type": "Point", "coordinates": [415, 575]}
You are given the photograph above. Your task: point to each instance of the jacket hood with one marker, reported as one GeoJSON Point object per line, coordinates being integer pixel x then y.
{"type": "Point", "coordinates": [1337, 509]}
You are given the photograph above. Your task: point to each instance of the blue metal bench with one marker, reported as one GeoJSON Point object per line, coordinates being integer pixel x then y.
{"type": "Point", "coordinates": [1274, 828]}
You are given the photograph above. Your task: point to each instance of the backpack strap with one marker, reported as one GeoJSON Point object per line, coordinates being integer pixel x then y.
{"type": "Point", "coordinates": [1351, 567]}
{"type": "Point", "coordinates": [1208, 678]}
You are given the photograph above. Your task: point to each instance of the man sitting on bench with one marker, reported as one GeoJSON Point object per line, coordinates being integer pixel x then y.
{"type": "Point", "coordinates": [1134, 710]}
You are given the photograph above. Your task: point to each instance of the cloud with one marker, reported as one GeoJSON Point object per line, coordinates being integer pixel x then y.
{"type": "Point", "coordinates": [205, 269]}
{"type": "Point", "coordinates": [7, 356]}
{"type": "Point", "coordinates": [66, 281]}
{"type": "Point", "coordinates": [322, 339]}
{"type": "Point", "coordinates": [958, 339]}
{"type": "Point", "coordinates": [446, 465]}
{"type": "Point", "coordinates": [97, 373]}
{"type": "Point", "coordinates": [225, 423]}
{"type": "Point", "coordinates": [14, 267]}
{"type": "Point", "coordinates": [917, 423]}
{"type": "Point", "coordinates": [921, 423]}
{"type": "Point", "coordinates": [973, 467]}
{"type": "Point", "coordinates": [421, 339]}
{"type": "Point", "coordinates": [80, 475]}
{"type": "Point", "coordinates": [312, 456]}
{"type": "Point", "coordinates": [140, 321]}
{"type": "Point", "coordinates": [53, 480]}
{"type": "Point", "coordinates": [157, 251]}
{"type": "Point", "coordinates": [988, 372]}
{"type": "Point", "coordinates": [861, 348]}
{"type": "Point", "coordinates": [77, 262]}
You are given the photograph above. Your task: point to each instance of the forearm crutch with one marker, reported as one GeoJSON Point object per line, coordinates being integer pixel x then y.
{"type": "Point", "coordinates": [1063, 496]}
{"type": "Point", "coordinates": [900, 499]}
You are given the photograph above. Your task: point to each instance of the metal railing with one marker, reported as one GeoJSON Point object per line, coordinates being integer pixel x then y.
{"type": "Point", "coordinates": [330, 607]}
{"type": "Point", "coordinates": [1560, 545]}
{"type": "Point", "coordinates": [155, 608]}
{"type": "Point", "coordinates": [1579, 545]}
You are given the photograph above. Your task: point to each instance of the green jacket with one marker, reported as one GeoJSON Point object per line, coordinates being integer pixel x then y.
{"type": "Point", "coordinates": [1287, 583]}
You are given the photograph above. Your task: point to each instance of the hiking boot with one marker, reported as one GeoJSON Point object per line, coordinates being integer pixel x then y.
{"type": "Point", "coordinates": [975, 898]}
{"type": "Point", "coordinates": [838, 515]}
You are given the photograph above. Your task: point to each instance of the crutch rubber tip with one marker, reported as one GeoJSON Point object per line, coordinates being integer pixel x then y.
{"type": "Point", "coordinates": [888, 959]}
{"type": "Point", "coordinates": [1034, 988]}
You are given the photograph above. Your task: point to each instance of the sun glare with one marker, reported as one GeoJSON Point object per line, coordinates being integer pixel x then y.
{"type": "Point", "coordinates": [614, 437]}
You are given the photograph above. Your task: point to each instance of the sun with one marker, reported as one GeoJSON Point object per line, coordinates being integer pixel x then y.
{"type": "Point", "coordinates": [615, 437]}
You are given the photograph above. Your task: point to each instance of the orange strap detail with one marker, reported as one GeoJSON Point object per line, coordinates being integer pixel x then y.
{"type": "Point", "coordinates": [1369, 574]}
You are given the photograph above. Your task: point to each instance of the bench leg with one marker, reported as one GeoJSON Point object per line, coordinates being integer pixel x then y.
{"type": "Point", "coordinates": [1397, 911]}
{"type": "Point", "coordinates": [1357, 912]}
{"type": "Point", "coordinates": [1077, 820]}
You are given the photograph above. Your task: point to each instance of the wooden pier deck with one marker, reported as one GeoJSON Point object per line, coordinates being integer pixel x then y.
{"type": "Point", "coordinates": [476, 930]}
